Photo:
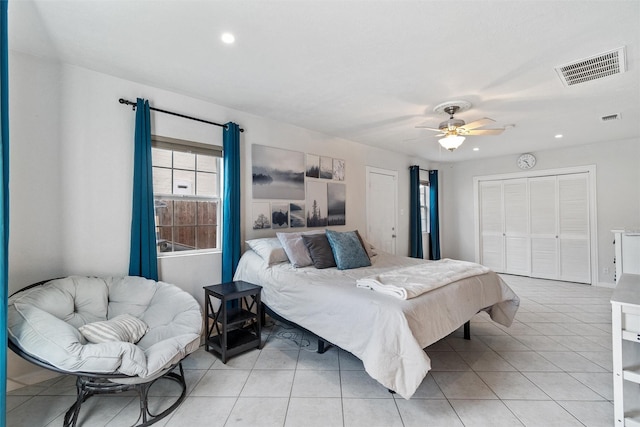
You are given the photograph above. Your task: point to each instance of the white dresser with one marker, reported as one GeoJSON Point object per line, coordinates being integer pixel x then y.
{"type": "Point", "coordinates": [627, 251]}
{"type": "Point", "coordinates": [625, 305]}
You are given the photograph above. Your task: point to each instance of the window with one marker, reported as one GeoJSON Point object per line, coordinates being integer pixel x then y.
{"type": "Point", "coordinates": [424, 206]}
{"type": "Point", "coordinates": [186, 192]}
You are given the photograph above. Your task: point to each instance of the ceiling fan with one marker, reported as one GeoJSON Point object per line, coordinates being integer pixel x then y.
{"type": "Point", "coordinates": [455, 130]}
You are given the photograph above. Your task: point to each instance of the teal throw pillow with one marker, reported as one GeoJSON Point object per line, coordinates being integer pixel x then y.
{"type": "Point", "coordinates": [347, 250]}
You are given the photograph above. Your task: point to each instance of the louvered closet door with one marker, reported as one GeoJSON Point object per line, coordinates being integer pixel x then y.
{"type": "Point", "coordinates": [516, 226]}
{"type": "Point", "coordinates": [491, 225]}
{"type": "Point", "coordinates": [573, 228]}
{"type": "Point", "coordinates": [543, 201]}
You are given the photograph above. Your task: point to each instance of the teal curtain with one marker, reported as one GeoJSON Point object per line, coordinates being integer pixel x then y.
{"type": "Point", "coordinates": [415, 217]}
{"type": "Point", "coordinates": [433, 215]}
{"type": "Point", "coordinates": [143, 257]}
{"type": "Point", "coordinates": [4, 206]}
{"type": "Point", "coordinates": [230, 201]}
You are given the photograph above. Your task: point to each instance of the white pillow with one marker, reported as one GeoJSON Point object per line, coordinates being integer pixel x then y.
{"type": "Point", "coordinates": [269, 250]}
{"type": "Point", "coordinates": [124, 327]}
{"type": "Point", "coordinates": [294, 247]}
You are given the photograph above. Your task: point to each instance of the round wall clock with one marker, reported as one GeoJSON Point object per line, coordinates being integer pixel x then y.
{"type": "Point", "coordinates": [526, 161]}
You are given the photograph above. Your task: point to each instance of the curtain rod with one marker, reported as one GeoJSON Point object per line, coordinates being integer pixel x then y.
{"type": "Point", "coordinates": [126, 102]}
{"type": "Point", "coordinates": [419, 168]}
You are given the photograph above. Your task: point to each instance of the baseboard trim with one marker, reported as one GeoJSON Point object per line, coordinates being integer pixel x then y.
{"type": "Point", "coordinates": [606, 285]}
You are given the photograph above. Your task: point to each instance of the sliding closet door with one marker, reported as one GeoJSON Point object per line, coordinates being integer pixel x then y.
{"type": "Point", "coordinates": [491, 225]}
{"type": "Point", "coordinates": [573, 228]}
{"type": "Point", "coordinates": [516, 226]}
{"type": "Point", "coordinates": [544, 238]}
{"type": "Point", "coordinates": [537, 226]}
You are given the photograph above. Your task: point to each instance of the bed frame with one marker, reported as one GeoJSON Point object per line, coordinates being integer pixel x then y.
{"type": "Point", "coordinates": [323, 344]}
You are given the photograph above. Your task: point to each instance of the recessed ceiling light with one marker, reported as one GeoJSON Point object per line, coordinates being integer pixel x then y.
{"type": "Point", "coordinates": [228, 38]}
{"type": "Point", "coordinates": [559, 136]}
{"type": "Point", "coordinates": [476, 149]}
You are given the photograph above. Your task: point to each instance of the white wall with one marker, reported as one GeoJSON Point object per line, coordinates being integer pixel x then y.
{"type": "Point", "coordinates": [71, 175]}
{"type": "Point", "coordinates": [617, 194]}
{"type": "Point", "coordinates": [35, 190]}
{"type": "Point", "coordinates": [35, 235]}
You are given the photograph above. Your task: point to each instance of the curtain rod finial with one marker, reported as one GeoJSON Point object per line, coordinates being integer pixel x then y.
{"type": "Point", "coordinates": [124, 101]}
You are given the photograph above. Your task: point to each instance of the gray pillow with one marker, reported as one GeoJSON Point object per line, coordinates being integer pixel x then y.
{"type": "Point", "coordinates": [319, 250]}
{"type": "Point", "coordinates": [295, 249]}
{"type": "Point", "coordinates": [364, 244]}
{"type": "Point", "coordinates": [121, 328]}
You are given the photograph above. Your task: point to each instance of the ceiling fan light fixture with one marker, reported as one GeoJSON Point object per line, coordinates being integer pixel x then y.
{"type": "Point", "coordinates": [451, 142]}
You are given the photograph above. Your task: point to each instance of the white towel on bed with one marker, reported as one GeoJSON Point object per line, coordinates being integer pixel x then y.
{"type": "Point", "coordinates": [409, 282]}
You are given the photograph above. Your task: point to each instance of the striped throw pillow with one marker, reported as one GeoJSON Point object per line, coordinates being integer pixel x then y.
{"type": "Point", "coordinates": [121, 328]}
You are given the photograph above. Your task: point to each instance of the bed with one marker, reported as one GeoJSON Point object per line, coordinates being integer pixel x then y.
{"type": "Point", "coordinates": [387, 333]}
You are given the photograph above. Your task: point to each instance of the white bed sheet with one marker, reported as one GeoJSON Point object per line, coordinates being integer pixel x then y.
{"type": "Point", "coordinates": [388, 334]}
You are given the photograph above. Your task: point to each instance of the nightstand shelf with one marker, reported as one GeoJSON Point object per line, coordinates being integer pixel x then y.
{"type": "Point", "coordinates": [236, 325]}
{"type": "Point", "coordinates": [238, 341]}
{"type": "Point", "coordinates": [236, 316]}
{"type": "Point", "coordinates": [625, 323]}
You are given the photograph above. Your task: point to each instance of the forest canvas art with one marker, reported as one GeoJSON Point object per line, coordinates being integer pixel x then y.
{"type": "Point", "coordinates": [326, 167]}
{"type": "Point", "coordinates": [336, 201]}
{"type": "Point", "coordinates": [260, 215]}
{"type": "Point", "coordinates": [301, 189]}
{"type": "Point", "coordinates": [313, 166]}
{"type": "Point", "coordinates": [316, 204]}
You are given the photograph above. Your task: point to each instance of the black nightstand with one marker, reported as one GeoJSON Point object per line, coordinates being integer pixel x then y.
{"type": "Point", "coordinates": [236, 329]}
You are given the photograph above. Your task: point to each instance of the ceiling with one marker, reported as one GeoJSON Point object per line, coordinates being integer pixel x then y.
{"type": "Point", "coordinates": [368, 71]}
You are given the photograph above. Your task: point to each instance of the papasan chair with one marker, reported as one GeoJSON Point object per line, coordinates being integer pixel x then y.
{"type": "Point", "coordinates": [113, 333]}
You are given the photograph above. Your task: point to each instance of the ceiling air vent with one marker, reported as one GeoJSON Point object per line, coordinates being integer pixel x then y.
{"type": "Point", "coordinates": [610, 117]}
{"type": "Point", "coordinates": [593, 68]}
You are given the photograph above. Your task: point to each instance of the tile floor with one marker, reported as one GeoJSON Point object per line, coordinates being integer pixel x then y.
{"type": "Point", "coordinates": [552, 367]}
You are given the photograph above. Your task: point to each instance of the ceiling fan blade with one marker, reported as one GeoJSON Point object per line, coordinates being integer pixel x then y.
{"type": "Point", "coordinates": [485, 132]}
{"type": "Point", "coordinates": [478, 123]}
{"type": "Point", "coordinates": [428, 128]}
{"type": "Point", "coordinates": [423, 138]}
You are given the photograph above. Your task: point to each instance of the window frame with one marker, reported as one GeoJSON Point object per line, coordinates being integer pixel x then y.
{"type": "Point", "coordinates": [185, 146]}
{"type": "Point", "coordinates": [424, 208]}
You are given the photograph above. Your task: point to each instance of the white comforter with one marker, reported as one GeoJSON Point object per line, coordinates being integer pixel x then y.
{"type": "Point", "coordinates": [388, 334]}
{"type": "Point", "coordinates": [410, 282]}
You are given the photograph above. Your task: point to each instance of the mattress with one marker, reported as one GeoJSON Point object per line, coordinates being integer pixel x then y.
{"type": "Point", "coordinates": [388, 334]}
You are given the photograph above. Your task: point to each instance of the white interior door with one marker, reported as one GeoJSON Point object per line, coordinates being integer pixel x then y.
{"type": "Point", "coordinates": [491, 225]}
{"type": "Point", "coordinates": [516, 226]}
{"type": "Point", "coordinates": [382, 205]}
{"type": "Point", "coordinates": [544, 237]}
{"type": "Point", "coordinates": [573, 228]}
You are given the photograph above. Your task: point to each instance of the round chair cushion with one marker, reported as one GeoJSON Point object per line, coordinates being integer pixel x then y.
{"type": "Point", "coordinates": [44, 322]}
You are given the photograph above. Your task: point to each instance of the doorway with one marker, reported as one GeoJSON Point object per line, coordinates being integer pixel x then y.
{"type": "Point", "coordinates": [382, 206]}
